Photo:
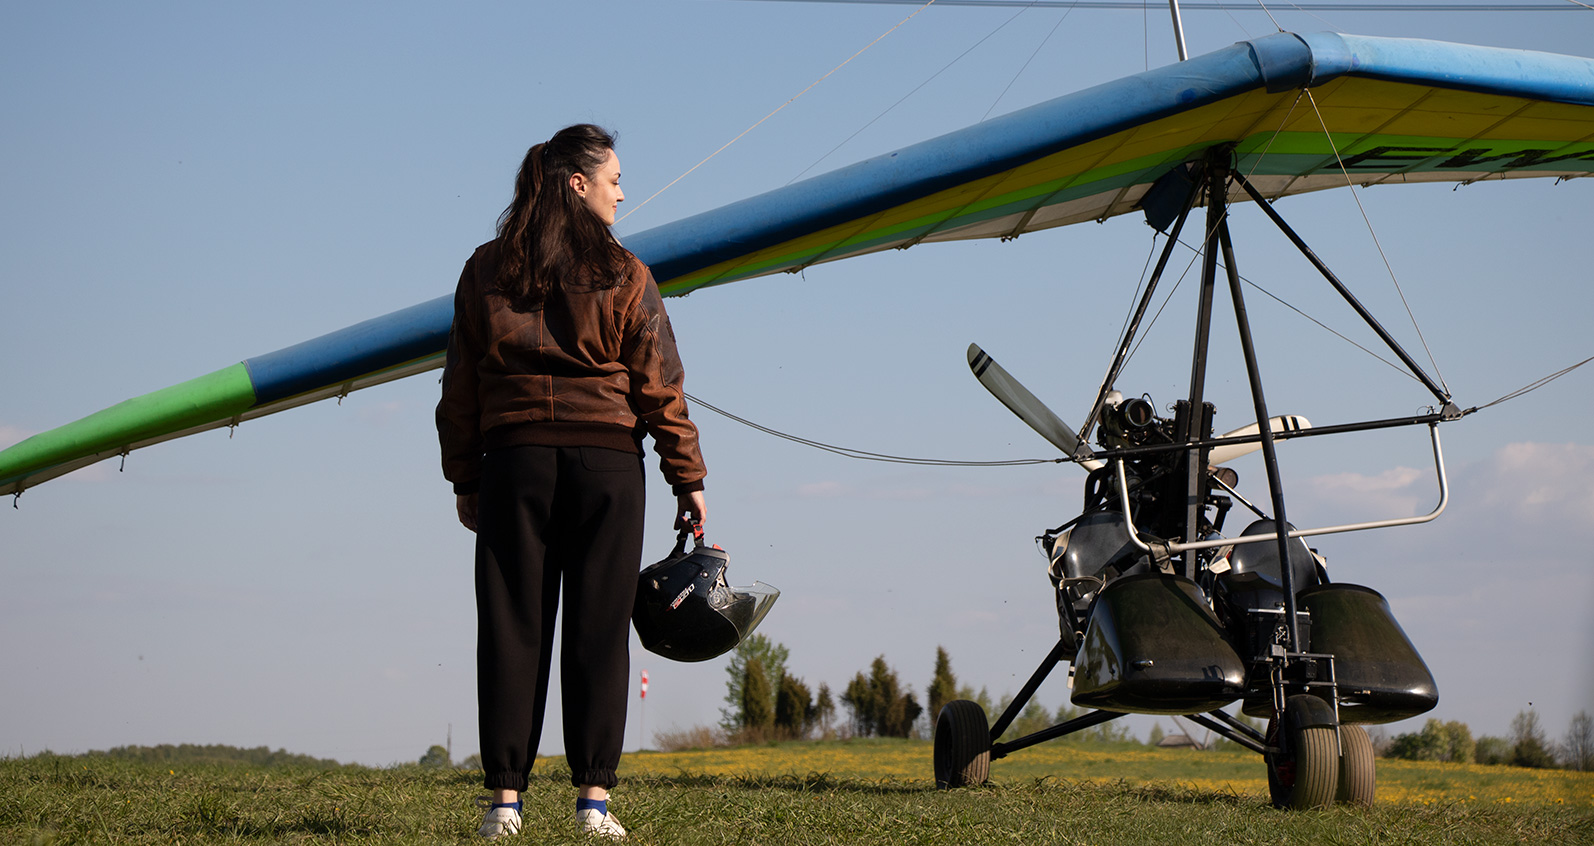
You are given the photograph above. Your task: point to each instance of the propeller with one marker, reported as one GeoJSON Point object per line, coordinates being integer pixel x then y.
{"type": "Point", "coordinates": [1031, 410]}
{"type": "Point", "coordinates": [1281, 427]}
{"type": "Point", "coordinates": [1021, 402]}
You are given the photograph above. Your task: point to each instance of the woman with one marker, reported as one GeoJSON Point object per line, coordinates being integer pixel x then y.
{"type": "Point", "coordinates": [560, 359]}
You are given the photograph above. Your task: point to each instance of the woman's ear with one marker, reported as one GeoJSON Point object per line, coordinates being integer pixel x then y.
{"type": "Point", "coordinates": [578, 183]}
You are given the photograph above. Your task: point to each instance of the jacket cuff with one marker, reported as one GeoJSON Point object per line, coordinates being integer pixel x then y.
{"type": "Point", "coordinates": [686, 487]}
{"type": "Point", "coordinates": [467, 488]}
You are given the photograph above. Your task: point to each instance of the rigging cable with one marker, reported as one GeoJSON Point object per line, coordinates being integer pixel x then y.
{"type": "Point", "coordinates": [1270, 17]}
{"type": "Point", "coordinates": [1325, 327]}
{"type": "Point", "coordinates": [848, 452]}
{"type": "Point", "coordinates": [1027, 63]}
{"type": "Point", "coordinates": [1349, 183]}
{"type": "Point", "coordinates": [1146, 333]}
{"type": "Point", "coordinates": [1535, 385]}
{"type": "Point", "coordinates": [915, 90]}
{"type": "Point", "coordinates": [1140, 284]}
{"type": "Point", "coordinates": [778, 108]}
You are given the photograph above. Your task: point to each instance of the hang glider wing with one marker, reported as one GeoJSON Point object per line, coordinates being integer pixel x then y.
{"type": "Point", "coordinates": [1379, 111]}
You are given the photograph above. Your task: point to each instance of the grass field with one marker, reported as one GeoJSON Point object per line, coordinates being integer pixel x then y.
{"type": "Point", "coordinates": [865, 792]}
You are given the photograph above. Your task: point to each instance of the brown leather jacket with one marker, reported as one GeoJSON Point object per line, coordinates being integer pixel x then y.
{"type": "Point", "coordinates": [589, 368]}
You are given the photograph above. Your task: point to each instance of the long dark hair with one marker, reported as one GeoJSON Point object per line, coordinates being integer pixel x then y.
{"type": "Point", "coordinates": [548, 238]}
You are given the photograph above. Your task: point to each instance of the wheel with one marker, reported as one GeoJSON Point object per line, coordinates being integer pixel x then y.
{"type": "Point", "coordinates": [1306, 774]}
{"type": "Point", "coordinates": [1358, 774]}
{"type": "Point", "coordinates": [962, 745]}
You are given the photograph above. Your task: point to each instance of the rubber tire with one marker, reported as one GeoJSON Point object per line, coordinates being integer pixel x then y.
{"type": "Point", "coordinates": [1358, 768]}
{"type": "Point", "coordinates": [962, 745]}
{"type": "Point", "coordinates": [1309, 776]}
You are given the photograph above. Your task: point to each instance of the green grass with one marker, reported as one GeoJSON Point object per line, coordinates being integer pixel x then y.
{"type": "Point", "coordinates": [860, 792]}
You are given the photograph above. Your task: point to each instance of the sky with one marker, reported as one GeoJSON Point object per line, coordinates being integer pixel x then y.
{"type": "Point", "coordinates": [185, 185]}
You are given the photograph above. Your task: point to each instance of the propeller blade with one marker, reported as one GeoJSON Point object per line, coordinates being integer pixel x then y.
{"type": "Point", "coordinates": [1021, 402]}
{"type": "Point", "coordinates": [1281, 425]}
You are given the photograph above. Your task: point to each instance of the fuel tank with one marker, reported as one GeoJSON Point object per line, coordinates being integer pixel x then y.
{"type": "Point", "coordinates": [1381, 677]}
{"type": "Point", "coordinates": [1152, 646]}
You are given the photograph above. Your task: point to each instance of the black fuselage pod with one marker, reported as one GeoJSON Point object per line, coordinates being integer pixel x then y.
{"type": "Point", "coordinates": [1153, 646]}
{"type": "Point", "coordinates": [1381, 677]}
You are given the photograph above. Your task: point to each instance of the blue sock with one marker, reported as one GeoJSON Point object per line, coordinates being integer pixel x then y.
{"type": "Point", "coordinates": [515, 804]}
{"type": "Point", "coordinates": [599, 805]}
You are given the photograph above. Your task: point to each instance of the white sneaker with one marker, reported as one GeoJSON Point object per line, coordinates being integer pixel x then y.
{"type": "Point", "coordinates": [499, 822]}
{"type": "Point", "coordinates": [601, 824]}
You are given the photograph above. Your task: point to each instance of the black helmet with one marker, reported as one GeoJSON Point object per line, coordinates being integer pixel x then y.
{"type": "Point", "coordinates": [684, 609]}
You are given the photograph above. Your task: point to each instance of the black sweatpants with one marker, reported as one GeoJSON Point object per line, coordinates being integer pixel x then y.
{"type": "Point", "coordinates": [546, 514]}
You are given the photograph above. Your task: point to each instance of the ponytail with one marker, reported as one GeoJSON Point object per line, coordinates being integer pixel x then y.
{"type": "Point", "coordinates": [548, 237]}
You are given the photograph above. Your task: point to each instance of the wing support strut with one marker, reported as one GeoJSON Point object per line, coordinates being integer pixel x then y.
{"type": "Point", "coordinates": [1450, 411]}
{"type": "Point", "coordinates": [1217, 199]}
{"type": "Point", "coordinates": [1133, 328]}
{"type": "Point", "coordinates": [1209, 178]}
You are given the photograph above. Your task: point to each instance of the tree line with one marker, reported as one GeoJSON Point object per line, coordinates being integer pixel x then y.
{"type": "Point", "coordinates": [765, 702]}
{"type": "Point", "coordinates": [212, 753]}
{"type": "Point", "coordinates": [1527, 745]}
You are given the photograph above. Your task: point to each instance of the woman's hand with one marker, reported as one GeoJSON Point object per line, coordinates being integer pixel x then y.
{"type": "Point", "coordinates": [466, 504]}
{"type": "Point", "coordinates": [689, 508]}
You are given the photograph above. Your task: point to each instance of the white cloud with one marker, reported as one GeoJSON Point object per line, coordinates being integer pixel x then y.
{"type": "Point", "coordinates": [1397, 491]}
{"type": "Point", "coordinates": [1541, 483]}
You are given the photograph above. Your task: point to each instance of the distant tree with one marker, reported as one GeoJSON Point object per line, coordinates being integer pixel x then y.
{"type": "Point", "coordinates": [435, 757]}
{"type": "Point", "coordinates": [471, 762]}
{"type": "Point", "coordinates": [1529, 748]}
{"type": "Point", "coordinates": [1155, 736]}
{"type": "Point", "coordinates": [1492, 750]}
{"type": "Point", "coordinates": [1438, 741]}
{"type": "Point", "coordinates": [943, 685]}
{"type": "Point", "coordinates": [1413, 746]}
{"type": "Point", "coordinates": [190, 753]}
{"type": "Point", "coordinates": [1032, 719]}
{"type": "Point", "coordinates": [1457, 745]}
{"type": "Point", "coordinates": [758, 705]}
{"type": "Point", "coordinates": [824, 709]}
{"type": "Point", "coordinates": [1380, 740]}
{"type": "Point", "coordinates": [794, 707]}
{"type": "Point", "coordinates": [860, 701]}
{"type": "Point", "coordinates": [1577, 752]}
{"type": "Point", "coordinates": [1113, 732]}
{"type": "Point", "coordinates": [901, 708]}
{"type": "Point", "coordinates": [772, 655]}
{"type": "Point", "coordinates": [982, 699]}
{"type": "Point", "coordinates": [880, 705]}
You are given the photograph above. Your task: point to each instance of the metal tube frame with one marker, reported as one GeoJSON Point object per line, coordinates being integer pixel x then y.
{"type": "Point", "coordinates": [1175, 546]}
{"type": "Point", "coordinates": [1080, 723]}
{"type": "Point", "coordinates": [1243, 735]}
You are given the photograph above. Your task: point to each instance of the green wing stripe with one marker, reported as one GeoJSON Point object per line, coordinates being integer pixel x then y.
{"type": "Point", "coordinates": [215, 396]}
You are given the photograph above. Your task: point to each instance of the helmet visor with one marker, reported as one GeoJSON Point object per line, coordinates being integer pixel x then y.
{"type": "Point", "coordinates": [744, 607]}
